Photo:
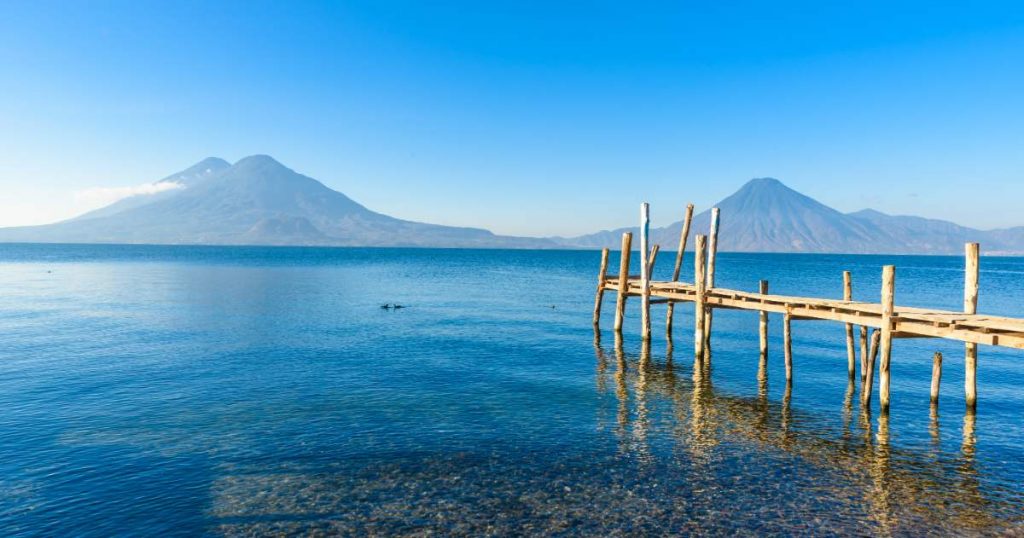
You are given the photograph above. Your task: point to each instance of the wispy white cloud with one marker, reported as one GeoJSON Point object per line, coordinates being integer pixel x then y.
{"type": "Point", "coordinates": [102, 196]}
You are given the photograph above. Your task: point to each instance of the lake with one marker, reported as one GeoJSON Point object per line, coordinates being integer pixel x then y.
{"type": "Point", "coordinates": [151, 390]}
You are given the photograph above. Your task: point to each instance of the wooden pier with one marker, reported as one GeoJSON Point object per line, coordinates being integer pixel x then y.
{"type": "Point", "coordinates": [884, 320]}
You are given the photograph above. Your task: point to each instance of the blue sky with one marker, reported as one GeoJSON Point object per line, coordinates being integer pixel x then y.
{"type": "Point", "coordinates": [524, 117]}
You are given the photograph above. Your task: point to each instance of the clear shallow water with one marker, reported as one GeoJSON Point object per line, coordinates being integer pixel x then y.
{"type": "Point", "coordinates": [239, 391]}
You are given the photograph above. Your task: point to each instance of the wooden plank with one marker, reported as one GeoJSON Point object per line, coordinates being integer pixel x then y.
{"type": "Point", "coordinates": [908, 322]}
{"type": "Point", "coordinates": [1015, 341]}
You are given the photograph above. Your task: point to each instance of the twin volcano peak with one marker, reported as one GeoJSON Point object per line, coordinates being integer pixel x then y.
{"type": "Point", "coordinates": [255, 201]}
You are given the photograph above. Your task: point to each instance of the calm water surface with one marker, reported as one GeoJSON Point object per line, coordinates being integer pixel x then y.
{"type": "Point", "coordinates": [241, 391]}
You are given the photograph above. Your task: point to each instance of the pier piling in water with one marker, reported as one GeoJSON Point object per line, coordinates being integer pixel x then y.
{"type": "Point", "coordinates": [620, 304]}
{"type": "Point", "coordinates": [936, 376]}
{"type": "Point", "coordinates": [884, 321]}
{"type": "Point", "coordinates": [645, 275]}
{"type": "Point", "coordinates": [710, 278]}
{"type": "Point", "coordinates": [870, 376]}
{"type": "Point", "coordinates": [683, 236]}
{"type": "Point", "coordinates": [600, 288]}
{"type": "Point", "coordinates": [762, 288]}
{"type": "Point", "coordinates": [863, 353]}
{"type": "Point", "coordinates": [851, 353]}
{"type": "Point", "coordinates": [787, 345]}
{"type": "Point", "coordinates": [971, 251]}
{"type": "Point", "coordinates": [700, 247]}
{"type": "Point", "coordinates": [888, 302]}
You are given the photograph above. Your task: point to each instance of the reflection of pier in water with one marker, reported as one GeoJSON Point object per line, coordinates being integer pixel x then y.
{"type": "Point", "coordinates": [897, 485]}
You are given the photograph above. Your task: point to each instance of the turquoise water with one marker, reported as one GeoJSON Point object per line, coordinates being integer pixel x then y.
{"type": "Point", "coordinates": [239, 391]}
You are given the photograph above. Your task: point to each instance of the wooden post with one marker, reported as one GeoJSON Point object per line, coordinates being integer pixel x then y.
{"type": "Point", "coordinates": [971, 307]}
{"type": "Point", "coordinates": [600, 288]}
{"type": "Point", "coordinates": [712, 254]}
{"type": "Point", "coordinates": [851, 352]}
{"type": "Point", "coordinates": [645, 276]}
{"type": "Point", "coordinates": [651, 259]}
{"type": "Point", "coordinates": [762, 288]}
{"type": "Point", "coordinates": [683, 235]}
{"type": "Point", "coordinates": [936, 376]}
{"type": "Point", "coordinates": [863, 353]}
{"type": "Point", "coordinates": [888, 301]}
{"type": "Point", "coordinates": [620, 305]}
{"type": "Point", "coordinates": [787, 345]}
{"type": "Point", "coordinates": [869, 380]}
{"type": "Point", "coordinates": [698, 302]}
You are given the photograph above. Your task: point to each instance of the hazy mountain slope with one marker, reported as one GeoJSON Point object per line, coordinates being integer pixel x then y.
{"type": "Point", "coordinates": [255, 201]}
{"type": "Point", "coordinates": [917, 234]}
{"type": "Point", "coordinates": [767, 216]}
{"type": "Point", "coordinates": [196, 173]}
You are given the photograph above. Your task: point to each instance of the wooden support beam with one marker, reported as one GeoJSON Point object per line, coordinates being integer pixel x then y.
{"type": "Point", "coordinates": [936, 376]}
{"type": "Point", "coordinates": [787, 345]}
{"type": "Point", "coordinates": [971, 269]}
{"type": "Point", "coordinates": [888, 301]}
{"type": "Point", "coordinates": [763, 325]}
{"type": "Point", "coordinates": [620, 305]}
{"type": "Point", "coordinates": [651, 259]}
{"type": "Point", "coordinates": [865, 394]}
{"type": "Point", "coordinates": [600, 289]}
{"type": "Point", "coordinates": [683, 235]}
{"type": "Point", "coordinates": [851, 353]}
{"type": "Point", "coordinates": [712, 255]}
{"type": "Point", "coordinates": [645, 275]}
{"type": "Point", "coordinates": [863, 353]}
{"type": "Point", "coordinates": [698, 303]}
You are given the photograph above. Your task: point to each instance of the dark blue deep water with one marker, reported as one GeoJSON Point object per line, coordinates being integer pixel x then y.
{"type": "Point", "coordinates": [243, 391]}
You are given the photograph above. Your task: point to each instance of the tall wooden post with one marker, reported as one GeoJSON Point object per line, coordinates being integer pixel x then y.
{"type": "Point", "coordinates": [851, 352]}
{"type": "Point", "coordinates": [762, 288]}
{"type": "Point", "coordinates": [787, 345]}
{"type": "Point", "coordinates": [971, 268]}
{"type": "Point", "coordinates": [888, 301]}
{"type": "Point", "coordinates": [683, 235]}
{"type": "Point", "coordinates": [645, 276]}
{"type": "Point", "coordinates": [698, 302]}
{"type": "Point", "coordinates": [936, 376]}
{"type": "Point", "coordinates": [620, 305]}
{"type": "Point", "coordinates": [712, 254]}
{"type": "Point", "coordinates": [600, 289]}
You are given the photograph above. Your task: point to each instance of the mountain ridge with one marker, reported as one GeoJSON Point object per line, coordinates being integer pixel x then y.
{"type": "Point", "coordinates": [765, 215]}
{"type": "Point", "coordinates": [255, 201]}
{"type": "Point", "coordinates": [259, 201]}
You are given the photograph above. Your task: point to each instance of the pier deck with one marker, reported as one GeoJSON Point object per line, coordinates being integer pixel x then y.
{"type": "Point", "coordinates": [908, 322]}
